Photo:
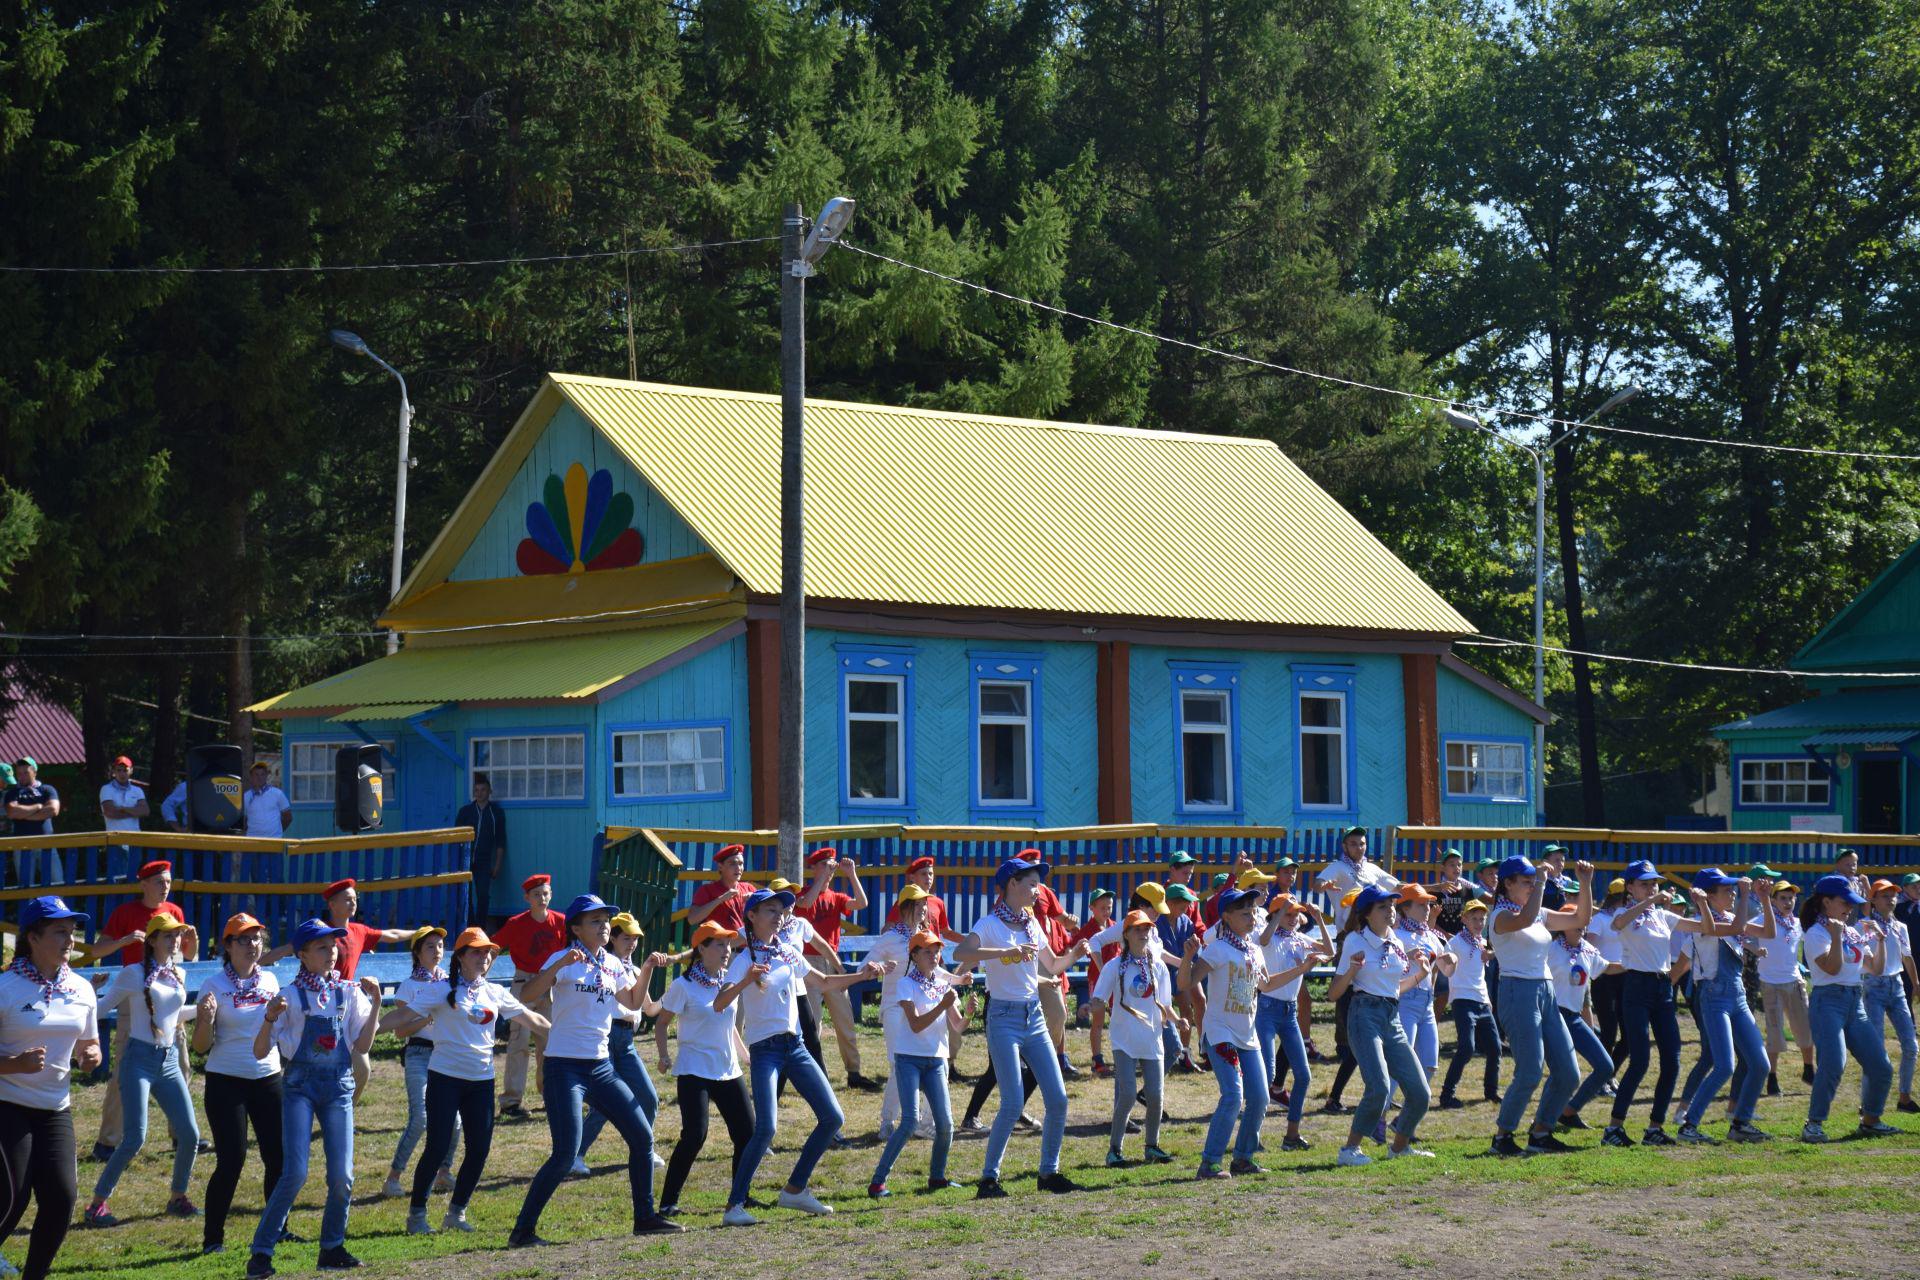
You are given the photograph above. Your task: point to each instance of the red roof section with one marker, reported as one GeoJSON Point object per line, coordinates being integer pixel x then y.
{"type": "Point", "coordinates": [35, 727]}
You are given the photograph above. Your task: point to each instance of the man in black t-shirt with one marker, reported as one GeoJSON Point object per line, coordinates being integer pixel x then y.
{"type": "Point", "coordinates": [31, 804]}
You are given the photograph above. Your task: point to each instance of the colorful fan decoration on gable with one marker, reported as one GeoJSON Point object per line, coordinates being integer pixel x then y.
{"type": "Point", "coordinates": [582, 525]}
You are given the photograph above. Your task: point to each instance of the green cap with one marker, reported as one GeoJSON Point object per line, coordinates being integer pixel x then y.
{"type": "Point", "coordinates": [1347, 833]}
{"type": "Point", "coordinates": [1179, 858]}
{"type": "Point", "coordinates": [1284, 863]}
{"type": "Point", "coordinates": [6, 773]}
{"type": "Point", "coordinates": [1452, 852]}
{"type": "Point", "coordinates": [1546, 849]}
{"type": "Point", "coordinates": [1180, 893]}
{"type": "Point", "coordinates": [1098, 894]}
{"type": "Point", "coordinates": [1909, 878]}
{"type": "Point", "coordinates": [1485, 864]}
{"type": "Point", "coordinates": [1841, 853]}
{"type": "Point", "coordinates": [1761, 871]}
{"type": "Point", "coordinates": [1680, 900]}
{"type": "Point", "coordinates": [1221, 877]}
{"type": "Point", "coordinates": [26, 762]}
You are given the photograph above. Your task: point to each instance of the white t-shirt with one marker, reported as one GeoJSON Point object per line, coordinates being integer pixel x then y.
{"type": "Point", "coordinates": [1387, 963]}
{"type": "Point", "coordinates": [1780, 955]}
{"type": "Point", "coordinates": [1233, 980]}
{"type": "Point", "coordinates": [243, 1007]}
{"type": "Point", "coordinates": [1646, 941]}
{"type": "Point", "coordinates": [1282, 952]}
{"type": "Point", "coordinates": [1429, 940]}
{"type": "Point", "coordinates": [1573, 971]}
{"type": "Point", "coordinates": [127, 797]}
{"type": "Point", "coordinates": [770, 1007]}
{"type": "Point", "coordinates": [585, 997]}
{"type": "Point", "coordinates": [1469, 980]}
{"type": "Point", "coordinates": [1139, 1040]}
{"type": "Point", "coordinates": [1522, 953]}
{"type": "Point", "coordinates": [1853, 956]}
{"type": "Point", "coordinates": [1010, 978]}
{"type": "Point", "coordinates": [706, 1038]}
{"type": "Point", "coordinates": [286, 1032]}
{"type": "Point", "coordinates": [620, 1012]}
{"type": "Point", "coordinates": [463, 1032]}
{"type": "Point", "coordinates": [931, 1043]}
{"type": "Point", "coordinates": [169, 998]}
{"type": "Point", "coordinates": [1898, 945]}
{"type": "Point", "coordinates": [30, 1019]}
{"type": "Point", "coordinates": [1709, 953]}
{"type": "Point", "coordinates": [1603, 935]}
{"type": "Point", "coordinates": [890, 947]}
{"type": "Point", "coordinates": [1115, 934]}
{"type": "Point", "coordinates": [1345, 875]}
{"type": "Point", "coordinates": [418, 993]}
{"type": "Point", "coordinates": [263, 812]}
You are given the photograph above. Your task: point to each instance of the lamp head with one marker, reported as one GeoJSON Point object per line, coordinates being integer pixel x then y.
{"type": "Point", "coordinates": [1617, 399]}
{"type": "Point", "coordinates": [347, 341]}
{"type": "Point", "coordinates": [1459, 419]}
{"type": "Point", "coordinates": [833, 220]}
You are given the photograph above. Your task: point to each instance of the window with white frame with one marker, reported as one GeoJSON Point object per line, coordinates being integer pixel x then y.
{"type": "Point", "coordinates": [1206, 749]}
{"type": "Point", "coordinates": [1323, 751]}
{"type": "Point", "coordinates": [1486, 770]}
{"type": "Point", "coordinates": [309, 770]}
{"type": "Point", "coordinates": [876, 739]}
{"type": "Point", "coordinates": [1787, 782]}
{"type": "Point", "coordinates": [535, 766]}
{"type": "Point", "coordinates": [651, 764]}
{"type": "Point", "coordinates": [1004, 713]}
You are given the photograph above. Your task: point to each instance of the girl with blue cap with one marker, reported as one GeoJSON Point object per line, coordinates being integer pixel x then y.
{"type": "Point", "coordinates": [1379, 970]}
{"type": "Point", "coordinates": [1646, 927]}
{"type": "Point", "coordinates": [1727, 1027]}
{"type": "Point", "coordinates": [1522, 938]}
{"type": "Point", "coordinates": [1838, 953]}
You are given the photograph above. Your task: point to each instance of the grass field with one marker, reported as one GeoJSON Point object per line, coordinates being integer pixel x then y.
{"type": "Point", "coordinates": [1782, 1209]}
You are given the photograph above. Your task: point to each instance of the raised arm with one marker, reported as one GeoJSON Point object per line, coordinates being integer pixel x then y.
{"type": "Point", "coordinates": [855, 890]}
{"type": "Point", "coordinates": [535, 988]}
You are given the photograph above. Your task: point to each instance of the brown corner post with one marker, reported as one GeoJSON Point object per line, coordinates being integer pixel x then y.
{"type": "Point", "coordinates": [1114, 721]}
{"type": "Point", "coordinates": [763, 719]}
{"type": "Point", "coordinates": [1420, 696]}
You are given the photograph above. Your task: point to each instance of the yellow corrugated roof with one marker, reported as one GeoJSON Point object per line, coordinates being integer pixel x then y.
{"type": "Point", "coordinates": [384, 711]}
{"type": "Point", "coordinates": [535, 670]}
{"type": "Point", "coordinates": [908, 506]}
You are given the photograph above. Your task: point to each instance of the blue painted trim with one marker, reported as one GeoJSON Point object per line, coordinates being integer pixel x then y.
{"type": "Point", "coordinates": [286, 761]}
{"type": "Point", "coordinates": [722, 723]}
{"type": "Point", "coordinates": [981, 669]}
{"type": "Point", "coordinates": [1207, 677]}
{"type": "Point", "coordinates": [534, 731]}
{"type": "Point", "coordinates": [433, 739]}
{"type": "Point", "coordinates": [866, 660]}
{"type": "Point", "coordinates": [1344, 681]}
{"type": "Point", "coordinates": [1526, 769]}
{"type": "Point", "coordinates": [1833, 787]}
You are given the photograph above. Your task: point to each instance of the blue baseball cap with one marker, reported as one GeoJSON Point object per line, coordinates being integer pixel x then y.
{"type": "Point", "coordinates": [50, 907]}
{"type": "Point", "coordinates": [1518, 865]}
{"type": "Point", "coordinates": [1234, 899]}
{"type": "Point", "coordinates": [761, 897]}
{"type": "Point", "coordinates": [1711, 878]}
{"type": "Point", "coordinates": [1641, 870]}
{"type": "Point", "coordinates": [1018, 867]}
{"type": "Point", "coordinates": [1824, 887]}
{"type": "Point", "coordinates": [312, 930]}
{"type": "Point", "coordinates": [584, 903]}
{"type": "Point", "coordinates": [1370, 897]}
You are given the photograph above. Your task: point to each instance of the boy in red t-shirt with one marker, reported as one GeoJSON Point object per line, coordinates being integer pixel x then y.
{"type": "Point", "coordinates": [1099, 916]}
{"type": "Point", "coordinates": [530, 938]}
{"type": "Point", "coordinates": [723, 900]}
{"type": "Point", "coordinates": [826, 909]}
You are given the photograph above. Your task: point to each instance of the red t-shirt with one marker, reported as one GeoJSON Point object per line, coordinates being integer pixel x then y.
{"type": "Point", "coordinates": [826, 914]}
{"type": "Point", "coordinates": [1086, 930]}
{"type": "Point", "coordinates": [936, 918]}
{"type": "Point", "coordinates": [360, 937]}
{"type": "Point", "coordinates": [532, 942]}
{"type": "Point", "coordinates": [732, 912]}
{"type": "Point", "coordinates": [1048, 911]}
{"type": "Point", "coordinates": [1210, 909]}
{"type": "Point", "coordinates": [129, 916]}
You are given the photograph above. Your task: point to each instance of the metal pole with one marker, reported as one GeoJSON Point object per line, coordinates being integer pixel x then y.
{"type": "Point", "coordinates": [399, 502]}
{"type": "Point", "coordinates": [1539, 633]}
{"type": "Point", "coordinates": [793, 601]}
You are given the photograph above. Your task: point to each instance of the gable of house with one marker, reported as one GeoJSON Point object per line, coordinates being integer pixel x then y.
{"type": "Point", "coordinates": [1877, 629]}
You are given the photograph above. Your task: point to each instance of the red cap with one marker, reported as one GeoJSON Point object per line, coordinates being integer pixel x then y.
{"type": "Point", "coordinates": [527, 885]}
{"type": "Point", "coordinates": [120, 762]}
{"type": "Point", "coordinates": [918, 863]}
{"type": "Point", "coordinates": [150, 869]}
{"type": "Point", "coordinates": [730, 850]}
{"type": "Point", "coordinates": [818, 856]}
{"type": "Point", "coordinates": [336, 887]}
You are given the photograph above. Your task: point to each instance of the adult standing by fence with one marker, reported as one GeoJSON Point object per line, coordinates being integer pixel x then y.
{"type": "Point", "coordinates": [826, 909]}
{"type": "Point", "coordinates": [122, 804]}
{"type": "Point", "coordinates": [126, 932]}
{"type": "Point", "coordinates": [269, 812]}
{"type": "Point", "coordinates": [531, 939]}
{"type": "Point", "coordinates": [488, 852]}
{"type": "Point", "coordinates": [1352, 870]}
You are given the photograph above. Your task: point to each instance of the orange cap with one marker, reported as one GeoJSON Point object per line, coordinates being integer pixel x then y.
{"type": "Point", "coordinates": [475, 936]}
{"type": "Point", "coordinates": [708, 931]}
{"type": "Point", "coordinates": [1284, 902]}
{"type": "Point", "coordinates": [1415, 893]}
{"type": "Point", "coordinates": [924, 938]}
{"type": "Point", "coordinates": [1139, 920]}
{"type": "Point", "coordinates": [1883, 886]}
{"type": "Point", "coordinates": [238, 923]}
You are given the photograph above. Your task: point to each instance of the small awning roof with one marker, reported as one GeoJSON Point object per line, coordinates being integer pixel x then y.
{"type": "Point", "coordinates": [1876, 712]}
{"type": "Point", "coordinates": [552, 669]}
{"type": "Point", "coordinates": [1860, 737]}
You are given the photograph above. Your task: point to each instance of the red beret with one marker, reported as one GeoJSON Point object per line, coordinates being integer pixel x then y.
{"type": "Point", "coordinates": [918, 863]}
{"type": "Point", "coordinates": [532, 880]}
{"type": "Point", "coordinates": [151, 869]}
{"type": "Point", "coordinates": [730, 850]}
{"type": "Point", "coordinates": [336, 887]}
{"type": "Point", "coordinates": [825, 854]}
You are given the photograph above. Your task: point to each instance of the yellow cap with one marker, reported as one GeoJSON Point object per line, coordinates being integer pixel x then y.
{"type": "Point", "coordinates": [625, 923]}
{"type": "Point", "coordinates": [780, 884]}
{"type": "Point", "coordinates": [1253, 878]}
{"type": "Point", "coordinates": [164, 923]}
{"type": "Point", "coordinates": [1154, 892]}
{"type": "Point", "coordinates": [1351, 894]}
{"type": "Point", "coordinates": [424, 932]}
{"type": "Point", "coordinates": [911, 893]}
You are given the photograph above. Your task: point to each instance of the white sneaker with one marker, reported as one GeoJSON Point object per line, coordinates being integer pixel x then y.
{"type": "Point", "coordinates": [737, 1216]}
{"type": "Point", "coordinates": [456, 1220]}
{"type": "Point", "coordinates": [1410, 1150]}
{"type": "Point", "coordinates": [885, 1134]}
{"type": "Point", "coordinates": [924, 1129]}
{"type": "Point", "coordinates": [392, 1190]}
{"type": "Point", "coordinates": [804, 1201]}
{"type": "Point", "coordinates": [1353, 1158]}
{"type": "Point", "coordinates": [579, 1169]}
{"type": "Point", "coordinates": [658, 1163]}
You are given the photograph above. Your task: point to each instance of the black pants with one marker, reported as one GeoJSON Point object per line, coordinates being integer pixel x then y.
{"type": "Point", "coordinates": [729, 1097]}
{"type": "Point", "coordinates": [234, 1102]}
{"type": "Point", "coordinates": [1474, 1032]}
{"type": "Point", "coordinates": [989, 1081]}
{"type": "Point", "coordinates": [38, 1148]}
{"type": "Point", "coordinates": [1342, 1052]}
{"type": "Point", "coordinates": [472, 1102]}
{"type": "Point", "coordinates": [1606, 1010]}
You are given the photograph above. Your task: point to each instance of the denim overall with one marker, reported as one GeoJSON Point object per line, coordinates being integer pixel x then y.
{"type": "Point", "coordinates": [318, 1086]}
{"type": "Point", "coordinates": [1728, 1029]}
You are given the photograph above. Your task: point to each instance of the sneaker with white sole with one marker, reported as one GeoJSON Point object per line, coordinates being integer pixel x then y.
{"type": "Point", "coordinates": [391, 1189]}
{"type": "Point", "coordinates": [658, 1163]}
{"type": "Point", "coordinates": [804, 1201]}
{"type": "Point", "coordinates": [456, 1220]}
{"type": "Point", "coordinates": [1690, 1133]}
{"type": "Point", "coordinates": [1410, 1150]}
{"type": "Point", "coordinates": [1353, 1158]}
{"type": "Point", "coordinates": [737, 1216]}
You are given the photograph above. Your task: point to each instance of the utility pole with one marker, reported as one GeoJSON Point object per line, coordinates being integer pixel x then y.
{"type": "Point", "coordinates": [793, 544]}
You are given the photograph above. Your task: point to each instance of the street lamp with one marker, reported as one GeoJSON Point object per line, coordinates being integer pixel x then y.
{"type": "Point", "coordinates": [1459, 419]}
{"type": "Point", "coordinates": [354, 343]}
{"type": "Point", "coordinates": [798, 257]}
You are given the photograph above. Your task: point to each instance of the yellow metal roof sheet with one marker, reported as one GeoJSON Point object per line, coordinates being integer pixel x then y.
{"type": "Point", "coordinates": [908, 506]}
{"type": "Point", "coordinates": [541, 670]}
{"type": "Point", "coordinates": [384, 711]}
{"type": "Point", "coordinates": [480, 610]}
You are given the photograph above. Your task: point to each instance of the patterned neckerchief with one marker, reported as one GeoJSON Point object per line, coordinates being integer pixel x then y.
{"type": "Point", "coordinates": [49, 987]}
{"type": "Point", "coordinates": [1021, 922]}
{"type": "Point", "coordinates": [775, 951]}
{"type": "Point", "coordinates": [697, 974]}
{"type": "Point", "coordinates": [934, 984]}
{"type": "Point", "coordinates": [429, 975]}
{"type": "Point", "coordinates": [320, 984]}
{"type": "Point", "coordinates": [246, 991]}
{"type": "Point", "coordinates": [166, 975]}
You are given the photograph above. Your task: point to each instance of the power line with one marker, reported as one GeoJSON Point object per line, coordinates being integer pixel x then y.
{"type": "Point", "coordinates": [1501, 642]}
{"type": "Point", "coordinates": [383, 266]}
{"type": "Point", "coordinates": [1542, 419]}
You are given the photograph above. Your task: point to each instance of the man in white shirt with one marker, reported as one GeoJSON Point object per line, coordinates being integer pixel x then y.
{"type": "Point", "coordinates": [173, 809]}
{"type": "Point", "coordinates": [1352, 870]}
{"type": "Point", "coordinates": [122, 804]}
{"type": "Point", "coordinates": [269, 813]}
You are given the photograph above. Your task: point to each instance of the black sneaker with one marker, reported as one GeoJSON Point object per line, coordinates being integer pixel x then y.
{"type": "Point", "coordinates": [1746, 1131]}
{"type": "Point", "coordinates": [1615, 1136]}
{"type": "Point", "coordinates": [656, 1224]}
{"type": "Point", "coordinates": [1773, 1084]}
{"type": "Point", "coordinates": [338, 1259]}
{"type": "Point", "coordinates": [1058, 1183]}
{"type": "Point", "coordinates": [1907, 1105]}
{"type": "Point", "coordinates": [212, 1247]}
{"type": "Point", "coordinates": [1244, 1168]}
{"type": "Point", "coordinates": [865, 1084]}
{"type": "Point", "coordinates": [1806, 1073]}
{"type": "Point", "coordinates": [287, 1237]}
{"type": "Point", "coordinates": [259, 1265]}
{"type": "Point", "coordinates": [1546, 1144]}
{"type": "Point", "coordinates": [1450, 1103]}
{"type": "Point", "coordinates": [513, 1111]}
{"type": "Point", "coordinates": [1068, 1070]}
{"type": "Point", "coordinates": [1655, 1136]}
{"type": "Point", "coordinates": [1333, 1108]}
{"type": "Point", "coordinates": [1492, 1097]}
{"type": "Point", "coordinates": [1504, 1145]}
{"type": "Point", "coordinates": [531, 1240]}
{"type": "Point", "coordinates": [989, 1189]}
{"type": "Point", "coordinates": [1573, 1121]}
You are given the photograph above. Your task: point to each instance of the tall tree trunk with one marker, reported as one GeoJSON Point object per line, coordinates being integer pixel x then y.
{"type": "Point", "coordinates": [239, 623]}
{"type": "Point", "coordinates": [1593, 798]}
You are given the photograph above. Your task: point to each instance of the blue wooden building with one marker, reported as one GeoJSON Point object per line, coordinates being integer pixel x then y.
{"type": "Point", "coordinates": [1011, 623]}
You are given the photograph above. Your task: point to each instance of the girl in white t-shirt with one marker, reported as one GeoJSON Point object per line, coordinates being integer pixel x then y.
{"type": "Point", "coordinates": [241, 1089]}
{"type": "Point", "coordinates": [1137, 990]}
{"type": "Point", "coordinates": [1378, 968]}
{"type": "Point", "coordinates": [155, 994]}
{"type": "Point", "coordinates": [1416, 933]}
{"type": "Point", "coordinates": [1838, 955]}
{"type": "Point", "coordinates": [927, 999]}
{"type": "Point", "coordinates": [49, 1024]}
{"type": "Point", "coordinates": [1576, 961]}
{"type": "Point", "coordinates": [623, 1048]}
{"type": "Point", "coordinates": [1883, 989]}
{"type": "Point", "coordinates": [429, 947]}
{"type": "Point", "coordinates": [1468, 1000]}
{"type": "Point", "coordinates": [1783, 990]}
{"type": "Point", "coordinates": [1522, 937]}
{"type": "Point", "coordinates": [707, 1067]}
{"type": "Point", "coordinates": [1292, 953]}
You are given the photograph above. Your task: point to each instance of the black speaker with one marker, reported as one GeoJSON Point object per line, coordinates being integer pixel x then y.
{"type": "Point", "coordinates": [214, 788]}
{"type": "Point", "coordinates": [357, 787]}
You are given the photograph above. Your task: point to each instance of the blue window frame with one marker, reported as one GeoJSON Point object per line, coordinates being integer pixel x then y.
{"type": "Point", "coordinates": [1783, 782]}
{"type": "Point", "coordinates": [1206, 738]}
{"type": "Point", "coordinates": [876, 729]}
{"type": "Point", "coordinates": [1485, 769]}
{"type": "Point", "coordinates": [544, 766]}
{"type": "Point", "coordinates": [1004, 760]}
{"type": "Point", "coordinates": [665, 761]}
{"type": "Point", "coordinates": [1326, 750]}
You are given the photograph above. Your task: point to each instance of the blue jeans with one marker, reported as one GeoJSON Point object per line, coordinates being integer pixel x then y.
{"type": "Point", "coordinates": [1385, 1059]}
{"type": "Point", "coordinates": [1242, 1076]}
{"type": "Point", "coordinates": [1727, 1028]}
{"type": "Point", "coordinates": [1423, 1032]}
{"type": "Point", "coordinates": [1886, 998]}
{"type": "Point", "coordinates": [1530, 1021]}
{"type": "Point", "coordinates": [1647, 1016]}
{"type": "Point", "coordinates": [627, 1064]}
{"type": "Point", "coordinates": [1840, 1024]}
{"type": "Point", "coordinates": [1473, 1032]}
{"type": "Point", "coordinates": [414, 1057]}
{"type": "Point", "coordinates": [569, 1083]}
{"type": "Point", "coordinates": [1016, 1033]}
{"type": "Point", "coordinates": [150, 1069]}
{"type": "Point", "coordinates": [911, 1075]}
{"type": "Point", "coordinates": [1586, 1043]}
{"type": "Point", "coordinates": [786, 1055]}
{"type": "Point", "coordinates": [310, 1095]}
{"type": "Point", "coordinates": [1276, 1024]}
